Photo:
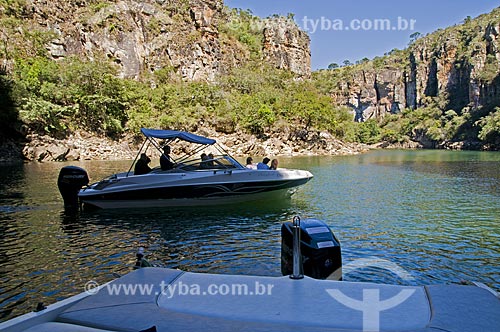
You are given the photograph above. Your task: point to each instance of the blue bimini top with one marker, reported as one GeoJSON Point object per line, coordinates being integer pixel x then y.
{"type": "Point", "coordinates": [173, 134]}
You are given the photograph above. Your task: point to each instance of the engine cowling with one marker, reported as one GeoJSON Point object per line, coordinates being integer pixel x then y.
{"type": "Point", "coordinates": [320, 249]}
{"type": "Point", "coordinates": [71, 179]}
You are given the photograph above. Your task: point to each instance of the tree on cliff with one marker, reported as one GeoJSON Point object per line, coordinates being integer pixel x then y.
{"type": "Point", "coordinates": [414, 37]}
{"type": "Point", "coordinates": [8, 111]}
{"type": "Point", "coordinates": [490, 131]}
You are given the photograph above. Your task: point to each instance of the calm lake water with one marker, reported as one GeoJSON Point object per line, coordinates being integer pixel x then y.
{"type": "Point", "coordinates": [436, 214]}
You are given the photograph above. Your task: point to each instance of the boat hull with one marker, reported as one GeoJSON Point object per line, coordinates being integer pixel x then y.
{"type": "Point", "coordinates": [196, 189]}
{"type": "Point", "coordinates": [185, 202]}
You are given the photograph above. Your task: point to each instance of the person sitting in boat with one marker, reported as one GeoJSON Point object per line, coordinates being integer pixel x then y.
{"type": "Point", "coordinates": [250, 163]}
{"type": "Point", "coordinates": [165, 162]}
{"type": "Point", "coordinates": [141, 166]}
{"type": "Point", "coordinates": [204, 163]}
{"type": "Point", "coordinates": [263, 164]}
{"type": "Point", "coordinates": [210, 162]}
{"type": "Point", "coordinates": [274, 164]}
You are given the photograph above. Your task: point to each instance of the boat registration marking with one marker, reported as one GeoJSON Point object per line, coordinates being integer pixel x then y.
{"type": "Point", "coordinates": [325, 244]}
{"type": "Point", "coordinates": [316, 230]}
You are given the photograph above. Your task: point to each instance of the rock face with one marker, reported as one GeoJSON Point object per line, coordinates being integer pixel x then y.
{"type": "Point", "coordinates": [179, 35]}
{"type": "Point", "coordinates": [459, 65]}
{"type": "Point", "coordinates": [286, 46]}
{"type": "Point", "coordinates": [373, 94]}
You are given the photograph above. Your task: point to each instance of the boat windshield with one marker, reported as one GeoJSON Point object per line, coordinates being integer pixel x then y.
{"type": "Point", "coordinates": [216, 163]}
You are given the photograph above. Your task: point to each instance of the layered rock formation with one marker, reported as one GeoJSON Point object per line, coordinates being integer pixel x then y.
{"type": "Point", "coordinates": [179, 35]}
{"type": "Point", "coordinates": [460, 65]}
{"type": "Point", "coordinates": [287, 47]}
{"type": "Point", "coordinates": [373, 94]}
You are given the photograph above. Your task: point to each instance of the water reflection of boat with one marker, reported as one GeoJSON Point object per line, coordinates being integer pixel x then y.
{"type": "Point", "coordinates": [160, 299]}
{"type": "Point", "coordinates": [219, 179]}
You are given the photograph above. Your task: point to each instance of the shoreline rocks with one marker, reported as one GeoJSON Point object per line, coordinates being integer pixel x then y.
{"type": "Point", "coordinates": [75, 147]}
{"type": "Point", "coordinates": [82, 146]}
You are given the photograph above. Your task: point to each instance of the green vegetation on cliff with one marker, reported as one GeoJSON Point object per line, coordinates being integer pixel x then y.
{"type": "Point", "coordinates": [444, 88]}
{"type": "Point", "coordinates": [59, 97]}
{"type": "Point", "coordinates": [75, 93]}
{"type": "Point", "coordinates": [244, 27]}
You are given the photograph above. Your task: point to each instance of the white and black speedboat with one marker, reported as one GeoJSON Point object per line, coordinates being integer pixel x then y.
{"type": "Point", "coordinates": [219, 179]}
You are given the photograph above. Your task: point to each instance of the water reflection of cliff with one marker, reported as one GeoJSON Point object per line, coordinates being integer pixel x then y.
{"type": "Point", "coordinates": [18, 242]}
{"type": "Point", "coordinates": [11, 180]}
{"type": "Point", "coordinates": [477, 171]}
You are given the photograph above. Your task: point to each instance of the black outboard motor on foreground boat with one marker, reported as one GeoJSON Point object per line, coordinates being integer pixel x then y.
{"type": "Point", "coordinates": [71, 179]}
{"type": "Point", "coordinates": [320, 250]}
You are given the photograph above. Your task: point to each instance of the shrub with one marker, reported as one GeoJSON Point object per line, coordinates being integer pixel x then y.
{"type": "Point", "coordinates": [490, 70]}
{"type": "Point", "coordinates": [246, 28]}
{"type": "Point", "coordinates": [46, 117]}
{"type": "Point", "coordinates": [490, 127]}
{"type": "Point", "coordinates": [8, 111]}
{"type": "Point", "coordinates": [33, 72]}
{"type": "Point", "coordinates": [258, 122]}
{"type": "Point", "coordinates": [367, 132]}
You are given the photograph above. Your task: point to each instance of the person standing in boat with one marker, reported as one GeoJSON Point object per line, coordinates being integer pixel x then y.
{"type": "Point", "coordinates": [263, 164]}
{"type": "Point", "coordinates": [141, 166]}
{"type": "Point", "coordinates": [165, 162]}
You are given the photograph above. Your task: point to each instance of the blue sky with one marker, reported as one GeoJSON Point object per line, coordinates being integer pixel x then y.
{"type": "Point", "coordinates": [345, 30]}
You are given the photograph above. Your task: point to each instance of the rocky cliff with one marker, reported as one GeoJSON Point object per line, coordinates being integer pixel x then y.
{"type": "Point", "coordinates": [287, 47]}
{"type": "Point", "coordinates": [458, 66]}
{"type": "Point", "coordinates": [180, 35]}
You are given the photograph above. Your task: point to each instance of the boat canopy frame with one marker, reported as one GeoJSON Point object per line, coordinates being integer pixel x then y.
{"type": "Point", "coordinates": [169, 137]}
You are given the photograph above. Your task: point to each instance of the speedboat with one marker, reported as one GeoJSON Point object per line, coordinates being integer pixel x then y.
{"type": "Point", "coordinates": [219, 179]}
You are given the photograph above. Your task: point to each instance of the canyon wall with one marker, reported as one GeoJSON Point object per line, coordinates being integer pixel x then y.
{"type": "Point", "coordinates": [180, 35]}
{"type": "Point", "coordinates": [460, 66]}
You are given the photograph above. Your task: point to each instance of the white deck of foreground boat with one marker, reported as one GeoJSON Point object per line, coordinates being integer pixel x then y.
{"type": "Point", "coordinates": [179, 301]}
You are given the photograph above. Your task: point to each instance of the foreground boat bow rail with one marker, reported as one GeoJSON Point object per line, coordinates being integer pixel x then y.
{"type": "Point", "coordinates": [190, 180]}
{"type": "Point", "coordinates": [172, 300]}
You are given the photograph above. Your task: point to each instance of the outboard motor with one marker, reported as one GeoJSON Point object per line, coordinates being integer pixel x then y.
{"type": "Point", "coordinates": [71, 179]}
{"type": "Point", "coordinates": [320, 250]}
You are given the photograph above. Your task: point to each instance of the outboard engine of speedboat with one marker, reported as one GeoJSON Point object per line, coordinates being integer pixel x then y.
{"type": "Point", "coordinates": [71, 179]}
{"type": "Point", "coordinates": [320, 250]}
